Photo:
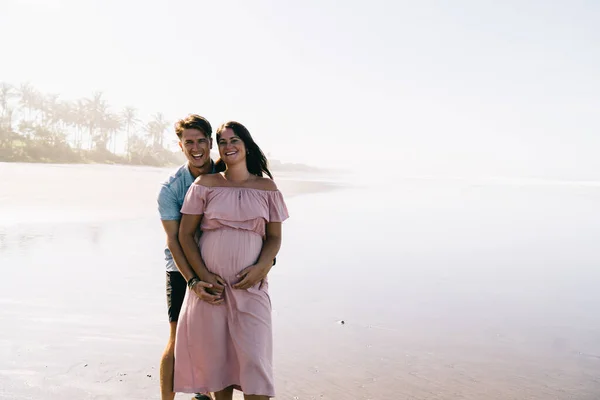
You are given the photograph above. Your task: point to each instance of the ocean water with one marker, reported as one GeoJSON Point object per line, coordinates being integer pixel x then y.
{"type": "Point", "coordinates": [402, 288]}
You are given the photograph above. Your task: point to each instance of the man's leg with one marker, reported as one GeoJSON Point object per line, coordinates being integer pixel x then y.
{"type": "Point", "coordinates": [167, 363]}
{"type": "Point", "coordinates": [176, 286]}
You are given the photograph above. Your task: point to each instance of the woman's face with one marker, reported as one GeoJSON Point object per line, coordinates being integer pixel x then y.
{"type": "Point", "coordinates": [231, 148]}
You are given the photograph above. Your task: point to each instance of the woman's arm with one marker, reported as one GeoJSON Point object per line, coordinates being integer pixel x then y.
{"type": "Point", "coordinates": [255, 273]}
{"type": "Point", "coordinates": [187, 230]}
{"type": "Point", "coordinates": [271, 245]}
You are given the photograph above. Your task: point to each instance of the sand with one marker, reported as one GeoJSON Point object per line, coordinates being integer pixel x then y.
{"type": "Point", "coordinates": [445, 290]}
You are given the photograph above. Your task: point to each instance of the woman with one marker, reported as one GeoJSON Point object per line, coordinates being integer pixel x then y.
{"type": "Point", "coordinates": [227, 343]}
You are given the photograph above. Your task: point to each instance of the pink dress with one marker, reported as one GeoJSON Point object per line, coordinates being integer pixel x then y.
{"type": "Point", "coordinates": [229, 344]}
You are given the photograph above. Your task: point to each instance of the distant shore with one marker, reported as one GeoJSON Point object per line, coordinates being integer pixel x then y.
{"type": "Point", "coordinates": [36, 127]}
{"type": "Point", "coordinates": [90, 159]}
{"type": "Point", "coordinates": [166, 159]}
{"type": "Point", "coordinates": [30, 151]}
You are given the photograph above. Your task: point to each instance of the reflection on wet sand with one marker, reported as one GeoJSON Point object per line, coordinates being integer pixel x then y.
{"type": "Point", "coordinates": [446, 290]}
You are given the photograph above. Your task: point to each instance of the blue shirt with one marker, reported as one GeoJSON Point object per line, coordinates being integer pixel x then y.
{"type": "Point", "coordinates": [170, 200]}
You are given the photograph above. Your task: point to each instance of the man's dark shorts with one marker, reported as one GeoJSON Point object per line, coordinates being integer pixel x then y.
{"type": "Point", "coordinates": [176, 286]}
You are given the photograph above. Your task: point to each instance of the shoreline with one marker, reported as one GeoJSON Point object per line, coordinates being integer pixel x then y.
{"type": "Point", "coordinates": [275, 165]}
{"type": "Point", "coordinates": [32, 195]}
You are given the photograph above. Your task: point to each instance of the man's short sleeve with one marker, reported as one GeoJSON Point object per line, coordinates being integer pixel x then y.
{"type": "Point", "coordinates": [168, 206]}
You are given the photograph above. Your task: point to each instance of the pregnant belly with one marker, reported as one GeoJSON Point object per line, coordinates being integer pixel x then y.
{"type": "Point", "coordinates": [227, 251]}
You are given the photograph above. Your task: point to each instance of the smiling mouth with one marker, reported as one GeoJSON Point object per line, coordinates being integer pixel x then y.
{"type": "Point", "coordinates": [197, 156]}
{"type": "Point", "coordinates": [230, 153]}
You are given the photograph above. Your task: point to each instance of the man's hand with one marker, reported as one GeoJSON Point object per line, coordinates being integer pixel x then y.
{"type": "Point", "coordinates": [251, 275]}
{"type": "Point", "coordinates": [217, 283]}
{"type": "Point", "coordinates": [201, 290]}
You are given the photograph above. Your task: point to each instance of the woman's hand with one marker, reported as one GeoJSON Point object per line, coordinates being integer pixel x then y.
{"type": "Point", "coordinates": [251, 275]}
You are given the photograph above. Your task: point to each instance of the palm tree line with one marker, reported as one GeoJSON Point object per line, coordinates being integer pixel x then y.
{"type": "Point", "coordinates": [35, 124]}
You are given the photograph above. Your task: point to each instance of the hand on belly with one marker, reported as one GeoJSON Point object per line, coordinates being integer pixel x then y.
{"type": "Point", "coordinates": [251, 275]}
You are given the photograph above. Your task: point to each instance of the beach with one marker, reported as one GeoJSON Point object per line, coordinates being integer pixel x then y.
{"type": "Point", "coordinates": [413, 288]}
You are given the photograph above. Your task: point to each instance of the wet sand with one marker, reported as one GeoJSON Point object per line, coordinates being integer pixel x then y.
{"type": "Point", "coordinates": [446, 290]}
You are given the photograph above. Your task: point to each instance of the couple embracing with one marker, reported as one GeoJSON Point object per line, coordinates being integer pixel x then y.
{"type": "Point", "coordinates": [223, 225]}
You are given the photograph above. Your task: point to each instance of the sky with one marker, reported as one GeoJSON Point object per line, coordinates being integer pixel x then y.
{"type": "Point", "coordinates": [501, 88]}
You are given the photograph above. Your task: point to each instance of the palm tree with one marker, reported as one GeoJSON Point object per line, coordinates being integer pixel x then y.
{"type": "Point", "coordinates": [112, 124]}
{"type": "Point", "coordinates": [63, 115]}
{"type": "Point", "coordinates": [6, 93]}
{"type": "Point", "coordinates": [6, 111]}
{"type": "Point", "coordinates": [50, 114]}
{"type": "Point", "coordinates": [129, 118]}
{"type": "Point", "coordinates": [79, 118]}
{"type": "Point", "coordinates": [156, 130]}
{"type": "Point", "coordinates": [28, 98]}
{"type": "Point", "coordinates": [95, 113]}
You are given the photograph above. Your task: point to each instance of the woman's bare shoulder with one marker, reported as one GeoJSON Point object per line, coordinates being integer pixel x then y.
{"type": "Point", "coordinates": [208, 180]}
{"type": "Point", "coordinates": [263, 183]}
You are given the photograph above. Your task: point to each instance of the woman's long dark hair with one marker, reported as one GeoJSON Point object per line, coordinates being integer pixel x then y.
{"type": "Point", "coordinates": [256, 162]}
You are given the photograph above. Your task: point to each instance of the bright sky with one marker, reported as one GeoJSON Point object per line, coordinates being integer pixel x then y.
{"type": "Point", "coordinates": [416, 87]}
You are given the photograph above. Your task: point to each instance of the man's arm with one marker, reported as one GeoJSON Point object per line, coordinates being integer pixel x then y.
{"type": "Point", "coordinates": [200, 288]}
{"type": "Point", "coordinates": [168, 209]}
{"type": "Point", "coordinates": [172, 231]}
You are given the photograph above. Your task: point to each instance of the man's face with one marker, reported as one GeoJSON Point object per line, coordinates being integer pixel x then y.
{"type": "Point", "coordinates": [196, 147]}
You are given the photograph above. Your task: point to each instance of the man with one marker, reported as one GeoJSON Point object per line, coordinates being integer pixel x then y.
{"type": "Point", "coordinates": [195, 141]}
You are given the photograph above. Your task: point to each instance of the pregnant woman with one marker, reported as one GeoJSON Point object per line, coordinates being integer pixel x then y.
{"type": "Point", "coordinates": [227, 343]}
